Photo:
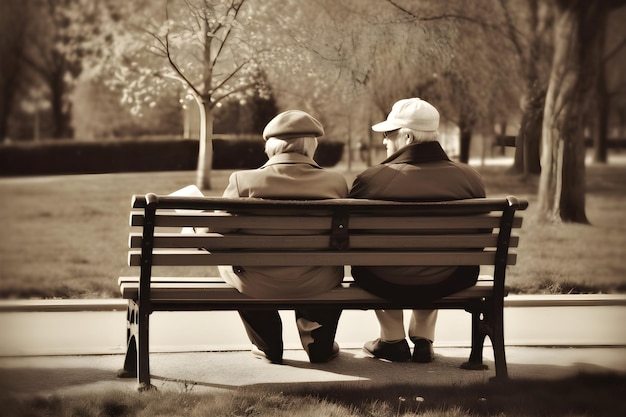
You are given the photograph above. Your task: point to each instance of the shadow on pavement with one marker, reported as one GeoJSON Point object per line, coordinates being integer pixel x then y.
{"type": "Point", "coordinates": [218, 371]}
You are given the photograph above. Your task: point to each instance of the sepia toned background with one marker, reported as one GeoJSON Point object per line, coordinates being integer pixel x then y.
{"type": "Point", "coordinates": [100, 100]}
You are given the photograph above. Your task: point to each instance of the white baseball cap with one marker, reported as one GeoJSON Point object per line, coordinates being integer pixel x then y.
{"type": "Point", "coordinates": [412, 113]}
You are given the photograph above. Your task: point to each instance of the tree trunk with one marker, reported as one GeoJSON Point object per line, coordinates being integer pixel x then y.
{"type": "Point", "coordinates": [562, 183]}
{"type": "Point", "coordinates": [55, 85]}
{"type": "Point", "coordinates": [603, 100]}
{"type": "Point", "coordinates": [528, 140]}
{"type": "Point", "coordinates": [518, 158]}
{"type": "Point", "coordinates": [600, 137]}
{"type": "Point", "coordinates": [13, 24]}
{"type": "Point", "coordinates": [465, 142]}
{"type": "Point", "coordinates": [205, 149]}
{"type": "Point", "coordinates": [6, 104]}
{"type": "Point", "coordinates": [532, 142]}
{"type": "Point", "coordinates": [59, 104]}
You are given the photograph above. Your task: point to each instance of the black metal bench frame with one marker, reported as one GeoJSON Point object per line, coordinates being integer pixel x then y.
{"type": "Point", "coordinates": [337, 239]}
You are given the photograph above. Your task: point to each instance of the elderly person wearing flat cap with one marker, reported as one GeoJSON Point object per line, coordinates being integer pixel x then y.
{"type": "Point", "coordinates": [416, 169]}
{"type": "Point", "coordinates": [290, 173]}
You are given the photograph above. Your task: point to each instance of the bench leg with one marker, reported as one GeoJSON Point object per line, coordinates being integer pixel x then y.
{"type": "Point", "coordinates": [130, 361]}
{"type": "Point", "coordinates": [479, 332]}
{"type": "Point", "coordinates": [143, 351]}
{"type": "Point", "coordinates": [488, 321]}
{"type": "Point", "coordinates": [137, 360]}
{"type": "Point", "coordinates": [497, 340]}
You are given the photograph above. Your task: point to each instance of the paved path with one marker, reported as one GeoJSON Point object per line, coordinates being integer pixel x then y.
{"type": "Point", "coordinates": [70, 352]}
{"type": "Point", "coordinates": [529, 321]}
{"type": "Point", "coordinates": [210, 371]}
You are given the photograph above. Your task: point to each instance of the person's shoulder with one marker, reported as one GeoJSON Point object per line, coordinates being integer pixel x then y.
{"type": "Point", "coordinates": [335, 177]}
{"type": "Point", "coordinates": [245, 172]}
{"type": "Point", "coordinates": [375, 168]}
{"type": "Point", "coordinates": [474, 179]}
{"type": "Point", "coordinates": [330, 171]}
{"type": "Point", "coordinates": [245, 176]}
{"type": "Point", "coordinates": [468, 168]}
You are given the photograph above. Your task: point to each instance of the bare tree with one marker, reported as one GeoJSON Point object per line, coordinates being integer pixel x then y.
{"type": "Point", "coordinates": [199, 45]}
{"type": "Point", "coordinates": [604, 91]}
{"type": "Point", "coordinates": [575, 65]}
{"type": "Point", "coordinates": [54, 53]}
{"type": "Point", "coordinates": [477, 83]}
{"type": "Point", "coordinates": [528, 26]}
{"type": "Point", "coordinates": [364, 55]}
{"type": "Point", "coordinates": [13, 18]}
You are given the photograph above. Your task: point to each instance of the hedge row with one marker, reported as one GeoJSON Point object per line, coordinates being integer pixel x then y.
{"type": "Point", "coordinates": [74, 157]}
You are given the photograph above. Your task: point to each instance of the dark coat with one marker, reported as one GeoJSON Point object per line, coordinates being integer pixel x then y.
{"type": "Point", "coordinates": [417, 172]}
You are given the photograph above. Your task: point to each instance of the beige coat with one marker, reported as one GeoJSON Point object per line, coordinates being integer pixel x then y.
{"type": "Point", "coordinates": [285, 176]}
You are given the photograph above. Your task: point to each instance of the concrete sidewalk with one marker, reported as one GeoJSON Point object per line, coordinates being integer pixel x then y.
{"type": "Point", "coordinates": [61, 327]}
{"type": "Point", "coordinates": [217, 371]}
{"type": "Point", "coordinates": [59, 348]}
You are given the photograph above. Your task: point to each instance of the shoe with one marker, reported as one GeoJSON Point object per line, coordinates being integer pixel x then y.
{"type": "Point", "coordinates": [423, 351]}
{"type": "Point", "coordinates": [125, 373]}
{"type": "Point", "coordinates": [394, 352]}
{"type": "Point", "coordinates": [333, 354]}
{"type": "Point", "coordinates": [277, 360]}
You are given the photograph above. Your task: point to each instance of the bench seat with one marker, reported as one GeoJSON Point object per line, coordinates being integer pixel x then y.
{"type": "Point", "coordinates": [214, 294]}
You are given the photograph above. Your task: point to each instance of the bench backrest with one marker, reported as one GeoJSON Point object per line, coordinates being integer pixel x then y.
{"type": "Point", "coordinates": [323, 232]}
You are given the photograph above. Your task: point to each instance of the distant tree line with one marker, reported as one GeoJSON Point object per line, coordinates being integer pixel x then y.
{"type": "Point", "coordinates": [550, 71]}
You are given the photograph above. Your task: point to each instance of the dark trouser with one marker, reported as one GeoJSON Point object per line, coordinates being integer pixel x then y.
{"type": "Point", "coordinates": [264, 329]}
{"type": "Point", "coordinates": [463, 277]}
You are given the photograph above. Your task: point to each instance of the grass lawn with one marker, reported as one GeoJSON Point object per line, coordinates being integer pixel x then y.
{"type": "Point", "coordinates": [66, 236]}
{"type": "Point", "coordinates": [582, 395]}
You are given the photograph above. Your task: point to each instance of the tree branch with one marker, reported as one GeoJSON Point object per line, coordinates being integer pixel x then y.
{"type": "Point", "coordinates": [449, 16]}
{"type": "Point", "coordinates": [168, 54]}
{"type": "Point", "coordinates": [231, 75]}
{"type": "Point", "coordinates": [234, 91]}
{"type": "Point", "coordinates": [236, 8]}
{"type": "Point", "coordinates": [513, 33]}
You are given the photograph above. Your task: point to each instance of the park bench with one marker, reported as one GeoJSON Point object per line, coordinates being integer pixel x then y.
{"type": "Point", "coordinates": [330, 232]}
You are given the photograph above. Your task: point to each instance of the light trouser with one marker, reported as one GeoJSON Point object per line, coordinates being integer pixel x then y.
{"type": "Point", "coordinates": [421, 325]}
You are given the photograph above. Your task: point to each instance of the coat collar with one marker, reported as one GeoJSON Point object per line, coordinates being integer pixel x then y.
{"type": "Point", "coordinates": [290, 158]}
{"type": "Point", "coordinates": [416, 153]}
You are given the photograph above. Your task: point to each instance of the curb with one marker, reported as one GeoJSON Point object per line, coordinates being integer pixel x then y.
{"type": "Point", "coordinates": [115, 304]}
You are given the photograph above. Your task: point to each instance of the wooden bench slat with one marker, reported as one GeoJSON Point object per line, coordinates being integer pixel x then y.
{"type": "Point", "coordinates": [428, 222]}
{"type": "Point", "coordinates": [220, 291]}
{"type": "Point", "coordinates": [175, 280]}
{"type": "Point", "coordinates": [472, 205]}
{"type": "Point", "coordinates": [317, 242]}
{"type": "Point", "coordinates": [224, 220]}
{"type": "Point", "coordinates": [338, 232]}
{"type": "Point", "coordinates": [172, 279]}
{"type": "Point", "coordinates": [197, 257]}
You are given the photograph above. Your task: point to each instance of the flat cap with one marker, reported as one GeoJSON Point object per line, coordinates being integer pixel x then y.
{"type": "Point", "coordinates": [293, 124]}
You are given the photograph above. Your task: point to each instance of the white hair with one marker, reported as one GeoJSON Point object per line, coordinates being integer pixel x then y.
{"type": "Point", "coordinates": [305, 146]}
{"type": "Point", "coordinates": [418, 136]}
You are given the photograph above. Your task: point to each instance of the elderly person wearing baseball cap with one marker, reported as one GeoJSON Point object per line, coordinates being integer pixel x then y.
{"type": "Point", "coordinates": [416, 169]}
{"type": "Point", "coordinates": [290, 173]}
